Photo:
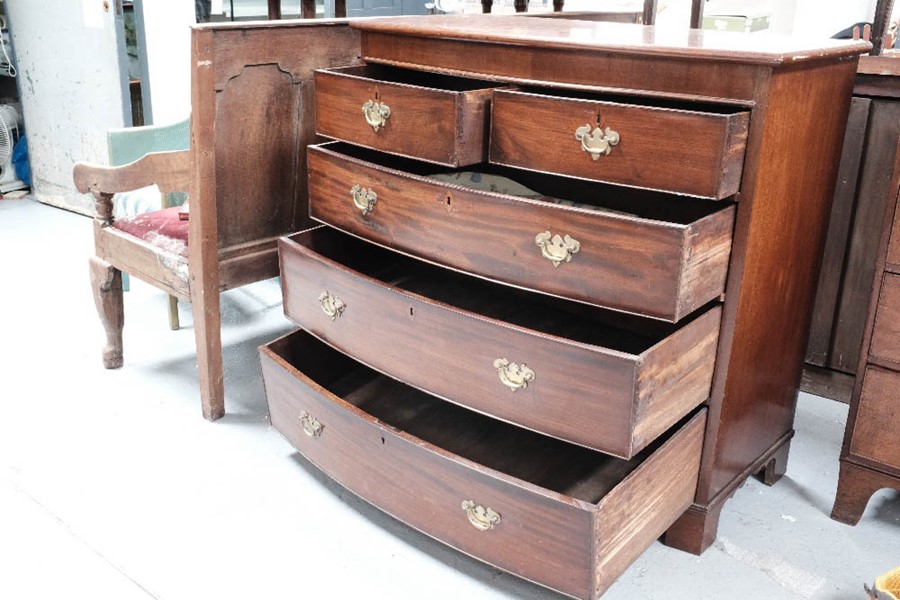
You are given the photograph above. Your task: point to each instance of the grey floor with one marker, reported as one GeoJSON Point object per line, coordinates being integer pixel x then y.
{"type": "Point", "coordinates": [113, 486]}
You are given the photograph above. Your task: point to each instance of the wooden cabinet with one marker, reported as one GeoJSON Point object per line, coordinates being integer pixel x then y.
{"type": "Point", "coordinates": [550, 358]}
{"type": "Point", "coordinates": [849, 265]}
{"type": "Point", "coordinates": [870, 458]}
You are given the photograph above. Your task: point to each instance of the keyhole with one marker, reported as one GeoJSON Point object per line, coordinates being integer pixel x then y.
{"type": "Point", "coordinates": [598, 119]}
{"type": "Point", "coordinates": [449, 202]}
{"type": "Point", "coordinates": [411, 311]}
{"type": "Point", "coordinates": [378, 97]}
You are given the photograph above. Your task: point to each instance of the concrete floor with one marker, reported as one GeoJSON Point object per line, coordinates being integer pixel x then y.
{"type": "Point", "coordinates": [112, 486]}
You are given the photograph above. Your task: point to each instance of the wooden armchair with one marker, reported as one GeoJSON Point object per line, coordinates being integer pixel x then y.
{"type": "Point", "coordinates": [245, 172]}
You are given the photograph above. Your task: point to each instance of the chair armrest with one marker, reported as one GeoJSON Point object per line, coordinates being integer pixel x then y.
{"type": "Point", "coordinates": [170, 171]}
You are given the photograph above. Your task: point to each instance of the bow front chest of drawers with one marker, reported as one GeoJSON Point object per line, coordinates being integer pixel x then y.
{"type": "Point", "coordinates": [559, 304]}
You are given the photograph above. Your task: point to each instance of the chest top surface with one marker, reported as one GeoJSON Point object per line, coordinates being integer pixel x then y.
{"type": "Point", "coordinates": [620, 38]}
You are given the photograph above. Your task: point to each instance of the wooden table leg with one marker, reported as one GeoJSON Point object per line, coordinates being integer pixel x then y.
{"type": "Point", "coordinates": [486, 6]}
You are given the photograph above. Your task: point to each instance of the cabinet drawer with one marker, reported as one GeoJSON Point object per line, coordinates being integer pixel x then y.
{"type": "Point", "coordinates": [664, 259]}
{"type": "Point", "coordinates": [437, 118]}
{"type": "Point", "coordinates": [562, 516]}
{"type": "Point", "coordinates": [879, 404]}
{"type": "Point", "coordinates": [673, 149]}
{"type": "Point", "coordinates": [598, 379]}
{"type": "Point", "coordinates": [886, 331]}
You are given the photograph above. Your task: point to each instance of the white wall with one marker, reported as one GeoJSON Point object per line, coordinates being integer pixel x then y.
{"type": "Point", "coordinates": [827, 17]}
{"type": "Point", "coordinates": [68, 54]}
{"type": "Point", "coordinates": [168, 41]}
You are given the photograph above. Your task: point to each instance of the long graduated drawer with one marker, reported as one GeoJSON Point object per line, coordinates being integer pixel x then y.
{"type": "Point", "coordinates": [595, 378]}
{"type": "Point", "coordinates": [433, 117]}
{"type": "Point", "coordinates": [562, 516]}
{"type": "Point", "coordinates": [683, 149]}
{"type": "Point", "coordinates": [629, 250]}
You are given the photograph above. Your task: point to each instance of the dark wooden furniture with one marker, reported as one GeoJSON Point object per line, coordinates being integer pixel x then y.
{"type": "Point", "coordinates": [851, 249]}
{"type": "Point", "coordinates": [870, 457]}
{"type": "Point", "coordinates": [251, 120]}
{"type": "Point", "coordinates": [551, 359]}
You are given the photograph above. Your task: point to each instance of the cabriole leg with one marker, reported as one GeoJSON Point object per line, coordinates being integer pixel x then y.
{"type": "Point", "coordinates": [106, 282]}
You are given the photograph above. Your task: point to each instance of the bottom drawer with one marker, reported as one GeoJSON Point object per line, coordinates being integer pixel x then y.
{"type": "Point", "coordinates": [560, 515]}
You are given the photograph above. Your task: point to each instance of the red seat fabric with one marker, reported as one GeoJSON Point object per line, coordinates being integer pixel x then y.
{"type": "Point", "coordinates": [161, 228]}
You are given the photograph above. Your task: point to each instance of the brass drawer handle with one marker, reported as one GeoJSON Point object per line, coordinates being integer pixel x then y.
{"type": "Point", "coordinates": [597, 142]}
{"type": "Point", "coordinates": [311, 425]}
{"type": "Point", "coordinates": [331, 305]}
{"type": "Point", "coordinates": [513, 375]}
{"type": "Point", "coordinates": [363, 198]}
{"type": "Point", "coordinates": [376, 113]}
{"type": "Point", "coordinates": [480, 517]}
{"type": "Point", "coordinates": [557, 249]}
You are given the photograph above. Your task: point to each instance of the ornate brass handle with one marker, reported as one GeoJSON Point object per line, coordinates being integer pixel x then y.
{"type": "Point", "coordinates": [310, 424]}
{"type": "Point", "coordinates": [331, 305]}
{"type": "Point", "coordinates": [513, 375]}
{"type": "Point", "coordinates": [597, 142]}
{"type": "Point", "coordinates": [557, 249]}
{"type": "Point", "coordinates": [363, 198]}
{"type": "Point", "coordinates": [376, 113]}
{"type": "Point", "coordinates": [482, 518]}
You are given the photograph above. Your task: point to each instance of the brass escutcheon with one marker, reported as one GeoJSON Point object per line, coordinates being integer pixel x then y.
{"type": "Point", "coordinates": [557, 249]}
{"type": "Point", "coordinates": [513, 375]}
{"type": "Point", "coordinates": [376, 113]}
{"type": "Point", "coordinates": [480, 517]}
{"type": "Point", "coordinates": [363, 198]}
{"type": "Point", "coordinates": [597, 142]}
{"type": "Point", "coordinates": [331, 305]}
{"type": "Point", "coordinates": [310, 424]}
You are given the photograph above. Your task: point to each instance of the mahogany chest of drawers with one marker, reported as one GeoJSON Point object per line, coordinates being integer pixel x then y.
{"type": "Point", "coordinates": [560, 299]}
{"type": "Point", "coordinates": [870, 458]}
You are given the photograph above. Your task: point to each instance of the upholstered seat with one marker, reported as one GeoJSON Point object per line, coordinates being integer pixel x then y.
{"type": "Point", "coordinates": [165, 229]}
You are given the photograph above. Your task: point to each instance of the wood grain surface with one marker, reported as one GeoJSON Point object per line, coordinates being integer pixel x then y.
{"type": "Point", "coordinates": [570, 519]}
{"type": "Point", "coordinates": [690, 152]}
{"type": "Point", "coordinates": [641, 262]}
{"type": "Point", "coordinates": [445, 329]}
{"type": "Point", "coordinates": [436, 118]}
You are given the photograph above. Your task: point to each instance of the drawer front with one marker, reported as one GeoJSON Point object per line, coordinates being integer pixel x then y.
{"type": "Point", "coordinates": [879, 403]}
{"type": "Point", "coordinates": [886, 332]}
{"type": "Point", "coordinates": [542, 538]}
{"type": "Point", "coordinates": [435, 125]}
{"type": "Point", "coordinates": [603, 399]}
{"type": "Point", "coordinates": [645, 266]}
{"type": "Point", "coordinates": [562, 541]}
{"type": "Point", "coordinates": [681, 151]}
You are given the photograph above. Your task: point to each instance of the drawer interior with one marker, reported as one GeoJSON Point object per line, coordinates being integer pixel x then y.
{"type": "Point", "coordinates": [644, 204]}
{"type": "Point", "coordinates": [645, 101]}
{"type": "Point", "coordinates": [549, 463]}
{"type": "Point", "coordinates": [553, 316]}
{"type": "Point", "coordinates": [423, 79]}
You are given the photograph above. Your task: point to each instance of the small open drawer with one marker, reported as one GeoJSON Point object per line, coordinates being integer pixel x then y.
{"type": "Point", "coordinates": [562, 516]}
{"type": "Point", "coordinates": [600, 379]}
{"type": "Point", "coordinates": [683, 148]}
{"type": "Point", "coordinates": [429, 116]}
{"type": "Point", "coordinates": [630, 250]}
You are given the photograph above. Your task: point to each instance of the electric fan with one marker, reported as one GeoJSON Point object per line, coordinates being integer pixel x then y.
{"type": "Point", "coordinates": [9, 133]}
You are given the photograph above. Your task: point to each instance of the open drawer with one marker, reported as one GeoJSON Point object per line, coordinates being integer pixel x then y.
{"type": "Point", "coordinates": [429, 116]}
{"type": "Point", "coordinates": [592, 377]}
{"type": "Point", "coordinates": [562, 516]}
{"type": "Point", "coordinates": [630, 250]}
{"type": "Point", "coordinates": [683, 148]}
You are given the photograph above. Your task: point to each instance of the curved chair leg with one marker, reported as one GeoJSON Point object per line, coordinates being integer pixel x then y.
{"type": "Point", "coordinates": [106, 282]}
{"type": "Point", "coordinates": [208, 334]}
{"type": "Point", "coordinates": [174, 325]}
